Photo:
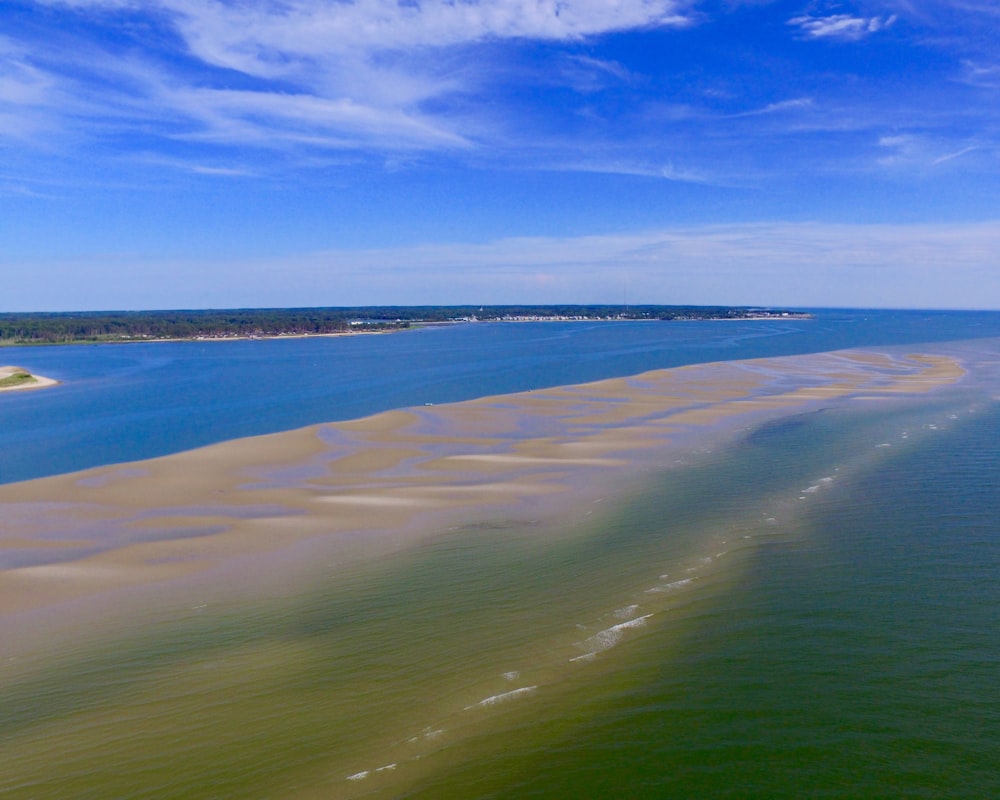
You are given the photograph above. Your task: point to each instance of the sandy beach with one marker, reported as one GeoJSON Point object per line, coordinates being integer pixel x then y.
{"type": "Point", "coordinates": [365, 488]}
{"type": "Point", "coordinates": [31, 382]}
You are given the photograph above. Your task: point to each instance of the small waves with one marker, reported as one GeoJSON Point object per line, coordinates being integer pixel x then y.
{"type": "Point", "coordinates": [360, 776]}
{"type": "Point", "coordinates": [503, 697]}
{"type": "Point", "coordinates": [609, 637]}
{"type": "Point", "coordinates": [671, 586]}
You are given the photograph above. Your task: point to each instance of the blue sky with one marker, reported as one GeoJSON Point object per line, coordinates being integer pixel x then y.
{"type": "Point", "coordinates": [205, 153]}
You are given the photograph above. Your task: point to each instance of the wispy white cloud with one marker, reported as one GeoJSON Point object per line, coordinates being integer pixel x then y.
{"type": "Point", "coordinates": [952, 156]}
{"type": "Point", "coordinates": [271, 118]}
{"type": "Point", "coordinates": [983, 75]}
{"type": "Point", "coordinates": [21, 83]}
{"type": "Point", "coordinates": [228, 172]}
{"type": "Point", "coordinates": [777, 263]}
{"type": "Point", "coordinates": [765, 263]}
{"type": "Point", "coordinates": [56, 95]}
{"type": "Point", "coordinates": [611, 166]}
{"type": "Point", "coordinates": [327, 44]}
{"type": "Point", "coordinates": [25, 94]}
{"type": "Point", "coordinates": [195, 167]}
{"type": "Point", "coordinates": [841, 26]}
{"type": "Point", "coordinates": [285, 84]}
{"type": "Point", "coordinates": [260, 36]}
{"type": "Point", "coordinates": [795, 104]}
{"type": "Point", "coordinates": [20, 190]}
{"type": "Point", "coordinates": [980, 7]}
{"type": "Point", "coordinates": [915, 151]}
{"type": "Point", "coordinates": [586, 74]}
{"type": "Point", "coordinates": [379, 75]}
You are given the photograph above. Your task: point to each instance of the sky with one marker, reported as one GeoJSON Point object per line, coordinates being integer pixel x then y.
{"type": "Point", "coordinates": [290, 153]}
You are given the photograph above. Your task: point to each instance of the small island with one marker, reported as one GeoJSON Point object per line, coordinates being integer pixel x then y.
{"type": "Point", "coordinates": [13, 378]}
{"type": "Point", "coordinates": [213, 324]}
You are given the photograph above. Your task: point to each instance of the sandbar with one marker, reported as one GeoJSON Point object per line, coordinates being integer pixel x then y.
{"type": "Point", "coordinates": [241, 514]}
{"type": "Point", "coordinates": [14, 379]}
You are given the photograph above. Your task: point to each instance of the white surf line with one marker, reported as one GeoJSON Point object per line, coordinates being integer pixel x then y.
{"type": "Point", "coordinates": [596, 644]}
{"type": "Point", "coordinates": [427, 735]}
{"type": "Point", "coordinates": [610, 637]}
{"type": "Point", "coordinates": [607, 638]}
{"type": "Point", "coordinates": [822, 483]}
{"type": "Point", "coordinates": [503, 697]}
{"type": "Point", "coordinates": [360, 776]}
{"type": "Point", "coordinates": [669, 587]}
{"type": "Point", "coordinates": [430, 734]}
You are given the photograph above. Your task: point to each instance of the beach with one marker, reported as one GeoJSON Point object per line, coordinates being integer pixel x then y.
{"type": "Point", "coordinates": [113, 554]}
{"type": "Point", "coordinates": [16, 379]}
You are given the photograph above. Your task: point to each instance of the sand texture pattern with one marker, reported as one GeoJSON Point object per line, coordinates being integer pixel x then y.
{"type": "Point", "coordinates": [367, 488]}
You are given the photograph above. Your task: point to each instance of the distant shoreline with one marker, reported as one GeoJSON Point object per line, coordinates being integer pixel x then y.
{"type": "Point", "coordinates": [200, 338]}
{"type": "Point", "coordinates": [126, 327]}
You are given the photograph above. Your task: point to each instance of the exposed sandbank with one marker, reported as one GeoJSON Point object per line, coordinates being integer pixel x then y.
{"type": "Point", "coordinates": [373, 486]}
{"type": "Point", "coordinates": [10, 375]}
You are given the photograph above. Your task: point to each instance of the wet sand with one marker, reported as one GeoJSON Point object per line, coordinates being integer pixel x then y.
{"type": "Point", "coordinates": [248, 514]}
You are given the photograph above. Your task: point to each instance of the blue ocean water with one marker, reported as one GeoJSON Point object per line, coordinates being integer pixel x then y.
{"type": "Point", "coordinates": [126, 402]}
{"type": "Point", "coordinates": [809, 612]}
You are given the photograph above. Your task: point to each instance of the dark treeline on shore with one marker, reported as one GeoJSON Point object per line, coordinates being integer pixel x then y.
{"type": "Point", "coordinates": [125, 326]}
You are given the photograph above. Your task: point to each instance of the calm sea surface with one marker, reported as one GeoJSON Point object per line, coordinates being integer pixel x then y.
{"type": "Point", "coordinates": [127, 402]}
{"type": "Point", "coordinates": [812, 612]}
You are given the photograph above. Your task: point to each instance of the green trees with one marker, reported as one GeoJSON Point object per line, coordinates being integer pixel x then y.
{"type": "Point", "coordinates": [130, 326]}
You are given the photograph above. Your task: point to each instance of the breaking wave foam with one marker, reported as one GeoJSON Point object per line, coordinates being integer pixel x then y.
{"type": "Point", "coordinates": [503, 697]}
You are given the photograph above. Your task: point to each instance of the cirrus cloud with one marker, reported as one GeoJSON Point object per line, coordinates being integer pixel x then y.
{"type": "Point", "coordinates": [841, 26]}
{"type": "Point", "coordinates": [376, 75]}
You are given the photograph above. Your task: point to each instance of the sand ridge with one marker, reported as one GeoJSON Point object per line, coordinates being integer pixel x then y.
{"type": "Point", "coordinates": [364, 481]}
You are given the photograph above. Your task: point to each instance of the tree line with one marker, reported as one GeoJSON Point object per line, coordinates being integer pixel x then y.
{"type": "Point", "coordinates": [122, 326]}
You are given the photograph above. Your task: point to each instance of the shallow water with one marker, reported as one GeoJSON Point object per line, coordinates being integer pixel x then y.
{"type": "Point", "coordinates": [809, 612]}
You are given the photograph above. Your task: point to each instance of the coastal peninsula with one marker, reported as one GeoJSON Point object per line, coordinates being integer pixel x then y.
{"type": "Point", "coordinates": [214, 324]}
{"type": "Point", "coordinates": [14, 378]}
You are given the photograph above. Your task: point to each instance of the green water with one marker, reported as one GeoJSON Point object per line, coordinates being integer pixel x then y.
{"type": "Point", "coordinates": [856, 656]}
{"type": "Point", "coordinates": [724, 629]}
